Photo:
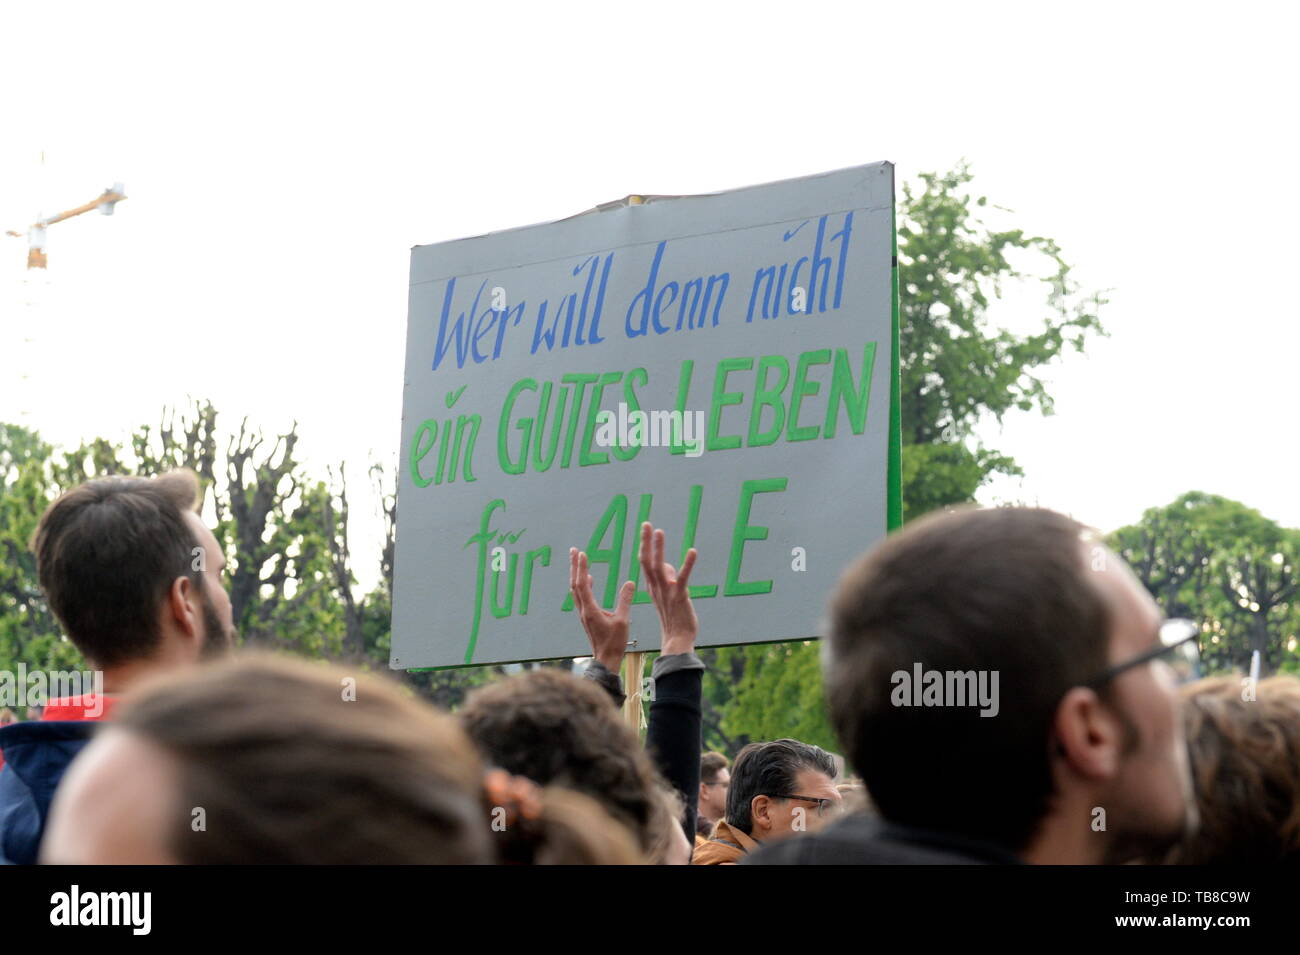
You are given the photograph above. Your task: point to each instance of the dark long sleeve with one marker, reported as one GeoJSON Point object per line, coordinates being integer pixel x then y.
{"type": "Point", "coordinates": [607, 679]}
{"type": "Point", "coordinates": [673, 736]}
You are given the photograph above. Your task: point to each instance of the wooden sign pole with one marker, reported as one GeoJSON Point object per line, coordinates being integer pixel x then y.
{"type": "Point", "coordinates": [634, 671]}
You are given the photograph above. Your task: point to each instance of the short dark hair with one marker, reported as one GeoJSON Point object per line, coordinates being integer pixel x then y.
{"type": "Point", "coordinates": [1002, 589]}
{"type": "Point", "coordinates": [557, 729]}
{"type": "Point", "coordinates": [108, 551]}
{"type": "Point", "coordinates": [768, 769]}
{"type": "Point", "coordinates": [710, 765]}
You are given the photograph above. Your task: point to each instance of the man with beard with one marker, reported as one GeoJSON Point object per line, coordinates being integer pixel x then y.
{"type": "Point", "coordinates": [134, 577]}
{"type": "Point", "coordinates": [1081, 758]}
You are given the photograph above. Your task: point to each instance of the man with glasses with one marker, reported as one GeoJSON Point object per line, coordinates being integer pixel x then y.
{"type": "Point", "coordinates": [777, 790]}
{"type": "Point", "coordinates": [1085, 760]}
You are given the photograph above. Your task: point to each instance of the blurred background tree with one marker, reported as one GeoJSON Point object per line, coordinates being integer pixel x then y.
{"type": "Point", "coordinates": [280, 531]}
{"type": "Point", "coordinates": [28, 631]}
{"type": "Point", "coordinates": [1229, 568]}
{"type": "Point", "coordinates": [957, 369]}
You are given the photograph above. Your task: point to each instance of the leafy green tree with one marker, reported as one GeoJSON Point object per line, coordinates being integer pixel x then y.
{"type": "Point", "coordinates": [278, 528]}
{"type": "Point", "coordinates": [297, 605]}
{"type": "Point", "coordinates": [720, 694]}
{"type": "Point", "coordinates": [1170, 550]}
{"type": "Point", "coordinates": [93, 459]}
{"type": "Point", "coordinates": [956, 368]}
{"type": "Point", "coordinates": [1255, 567]}
{"type": "Point", "coordinates": [281, 532]}
{"type": "Point", "coordinates": [780, 695]}
{"type": "Point", "coordinates": [29, 634]}
{"type": "Point", "coordinates": [1226, 566]}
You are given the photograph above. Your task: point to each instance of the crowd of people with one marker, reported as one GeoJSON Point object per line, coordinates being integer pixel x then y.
{"type": "Point", "coordinates": [1093, 752]}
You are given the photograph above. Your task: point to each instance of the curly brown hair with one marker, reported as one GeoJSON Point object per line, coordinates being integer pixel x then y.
{"type": "Point", "coordinates": [1245, 758]}
{"type": "Point", "coordinates": [555, 728]}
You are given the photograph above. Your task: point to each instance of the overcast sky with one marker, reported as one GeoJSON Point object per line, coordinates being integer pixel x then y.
{"type": "Point", "coordinates": [282, 159]}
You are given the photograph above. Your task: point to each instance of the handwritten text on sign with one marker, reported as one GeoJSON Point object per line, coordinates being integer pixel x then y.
{"type": "Point", "coordinates": [693, 362]}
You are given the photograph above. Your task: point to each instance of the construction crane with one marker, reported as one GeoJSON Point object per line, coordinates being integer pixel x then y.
{"type": "Point", "coordinates": [36, 258]}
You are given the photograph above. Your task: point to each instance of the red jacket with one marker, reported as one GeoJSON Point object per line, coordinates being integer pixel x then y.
{"type": "Point", "coordinates": [74, 708]}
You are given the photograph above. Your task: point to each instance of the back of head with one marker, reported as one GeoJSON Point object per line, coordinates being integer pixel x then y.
{"type": "Point", "coordinates": [994, 594]}
{"type": "Point", "coordinates": [1245, 756]}
{"type": "Point", "coordinates": [770, 769]}
{"type": "Point", "coordinates": [294, 763]}
{"type": "Point", "coordinates": [272, 760]}
{"type": "Point", "coordinates": [666, 817]}
{"type": "Point", "coordinates": [554, 728]}
{"type": "Point", "coordinates": [106, 554]}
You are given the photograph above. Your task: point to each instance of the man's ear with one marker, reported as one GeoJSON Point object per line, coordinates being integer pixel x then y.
{"type": "Point", "coordinates": [760, 813]}
{"type": "Point", "coordinates": [183, 606]}
{"type": "Point", "coordinates": [1089, 739]}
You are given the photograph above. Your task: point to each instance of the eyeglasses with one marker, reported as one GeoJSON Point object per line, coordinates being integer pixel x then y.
{"type": "Point", "coordinates": [1179, 647]}
{"type": "Point", "coordinates": [825, 807]}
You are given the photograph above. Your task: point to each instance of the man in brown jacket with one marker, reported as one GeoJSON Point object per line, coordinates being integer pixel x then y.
{"type": "Point", "coordinates": [711, 807]}
{"type": "Point", "coordinates": [779, 789]}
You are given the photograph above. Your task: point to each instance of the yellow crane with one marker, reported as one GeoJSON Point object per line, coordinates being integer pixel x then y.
{"type": "Point", "coordinates": [36, 258]}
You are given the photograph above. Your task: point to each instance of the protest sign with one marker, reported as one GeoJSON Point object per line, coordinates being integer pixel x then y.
{"type": "Point", "coordinates": [724, 366]}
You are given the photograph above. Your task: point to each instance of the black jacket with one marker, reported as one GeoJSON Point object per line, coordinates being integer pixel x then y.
{"type": "Point", "coordinates": [673, 736]}
{"type": "Point", "coordinates": [865, 840]}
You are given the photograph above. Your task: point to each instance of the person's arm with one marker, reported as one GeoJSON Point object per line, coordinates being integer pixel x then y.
{"type": "Point", "coordinates": [673, 736]}
{"type": "Point", "coordinates": [607, 632]}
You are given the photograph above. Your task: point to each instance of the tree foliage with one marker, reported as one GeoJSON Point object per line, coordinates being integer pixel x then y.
{"type": "Point", "coordinates": [28, 631]}
{"type": "Point", "coordinates": [1228, 567]}
{"type": "Point", "coordinates": [280, 530]}
{"type": "Point", "coordinates": [957, 369]}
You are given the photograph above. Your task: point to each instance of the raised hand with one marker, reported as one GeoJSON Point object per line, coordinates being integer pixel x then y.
{"type": "Point", "coordinates": [607, 632]}
{"type": "Point", "coordinates": [670, 592]}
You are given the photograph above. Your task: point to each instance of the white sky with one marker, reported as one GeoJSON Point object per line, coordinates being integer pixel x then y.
{"type": "Point", "coordinates": [281, 160]}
